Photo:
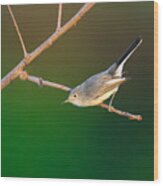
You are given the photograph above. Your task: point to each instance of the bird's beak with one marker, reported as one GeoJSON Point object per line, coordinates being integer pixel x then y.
{"type": "Point", "coordinates": [66, 101]}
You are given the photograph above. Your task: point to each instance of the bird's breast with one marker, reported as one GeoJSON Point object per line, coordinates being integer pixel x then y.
{"type": "Point", "coordinates": [99, 100]}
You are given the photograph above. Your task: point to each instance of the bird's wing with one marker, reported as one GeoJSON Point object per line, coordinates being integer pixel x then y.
{"type": "Point", "coordinates": [100, 84]}
{"type": "Point", "coordinates": [109, 86]}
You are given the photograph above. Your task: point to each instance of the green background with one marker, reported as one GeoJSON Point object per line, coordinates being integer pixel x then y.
{"type": "Point", "coordinates": [41, 137]}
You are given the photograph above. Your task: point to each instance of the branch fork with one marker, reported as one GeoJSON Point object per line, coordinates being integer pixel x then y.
{"type": "Point", "coordinates": [59, 17]}
{"type": "Point", "coordinates": [29, 58]}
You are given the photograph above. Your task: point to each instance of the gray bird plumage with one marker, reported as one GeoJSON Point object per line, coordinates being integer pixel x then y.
{"type": "Point", "coordinates": [103, 85]}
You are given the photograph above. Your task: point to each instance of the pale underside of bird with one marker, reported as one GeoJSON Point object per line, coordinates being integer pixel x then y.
{"type": "Point", "coordinates": [104, 85]}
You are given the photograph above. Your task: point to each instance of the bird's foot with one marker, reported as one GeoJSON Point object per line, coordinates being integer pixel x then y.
{"type": "Point", "coordinates": [110, 108]}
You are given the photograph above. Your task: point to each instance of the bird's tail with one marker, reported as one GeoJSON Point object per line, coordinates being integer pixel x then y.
{"type": "Point", "coordinates": [117, 68]}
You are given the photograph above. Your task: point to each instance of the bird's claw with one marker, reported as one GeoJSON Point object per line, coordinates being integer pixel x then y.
{"type": "Point", "coordinates": [110, 109]}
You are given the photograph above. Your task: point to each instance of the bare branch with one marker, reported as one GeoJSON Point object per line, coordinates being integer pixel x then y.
{"type": "Point", "coordinates": [14, 73]}
{"type": "Point", "coordinates": [17, 30]}
{"type": "Point", "coordinates": [121, 113]}
{"type": "Point", "coordinates": [59, 17]}
{"type": "Point", "coordinates": [39, 81]}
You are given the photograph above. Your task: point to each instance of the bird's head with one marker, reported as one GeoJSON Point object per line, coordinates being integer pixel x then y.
{"type": "Point", "coordinates": [74, 97]}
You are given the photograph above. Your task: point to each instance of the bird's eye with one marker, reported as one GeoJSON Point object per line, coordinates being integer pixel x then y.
{"type": "Point", "coordinates": [75, 95]}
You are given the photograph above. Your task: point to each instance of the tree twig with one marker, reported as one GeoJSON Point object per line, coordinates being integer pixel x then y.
{"type": "Point", "coordinates": [17, 30]}
{"type": "Point", "coordinates": [41, 82]}
{"type": "Point", "coordinates": [59, 16]}
{"type": "Point", "coordinates": [121, 113]}
{"type": "Point", "coordinates": [14, 73]}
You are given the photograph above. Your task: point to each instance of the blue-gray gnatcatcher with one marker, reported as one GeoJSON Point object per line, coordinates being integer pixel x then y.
{"type": "Point", "coordinates": [99, 87]}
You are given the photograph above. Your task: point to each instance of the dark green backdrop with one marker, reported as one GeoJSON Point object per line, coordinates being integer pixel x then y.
{"type": "Point", "coordinates": [43, 138]}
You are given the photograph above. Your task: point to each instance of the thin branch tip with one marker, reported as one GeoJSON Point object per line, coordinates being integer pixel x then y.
{"type": "Point", "coordinates": [17, 30]}
{"type": "Point", "coordinates": [122, 113]}
{"type": "Point", "coordinates": [59, 17]}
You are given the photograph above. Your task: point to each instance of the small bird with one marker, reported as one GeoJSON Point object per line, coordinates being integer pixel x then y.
{"type": "Point", "coordinates": [104, 85]}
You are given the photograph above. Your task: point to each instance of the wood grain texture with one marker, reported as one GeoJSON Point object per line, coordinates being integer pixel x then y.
{"type": "Point", "coordinates": [155, 90]}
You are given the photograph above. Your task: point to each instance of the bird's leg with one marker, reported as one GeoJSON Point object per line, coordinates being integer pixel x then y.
{"type": "Point", "coordinates": [111, 101]}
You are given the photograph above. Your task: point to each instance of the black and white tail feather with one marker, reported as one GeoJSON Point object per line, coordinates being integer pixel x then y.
{"type": "Point", "coordinates": [116, 70]}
